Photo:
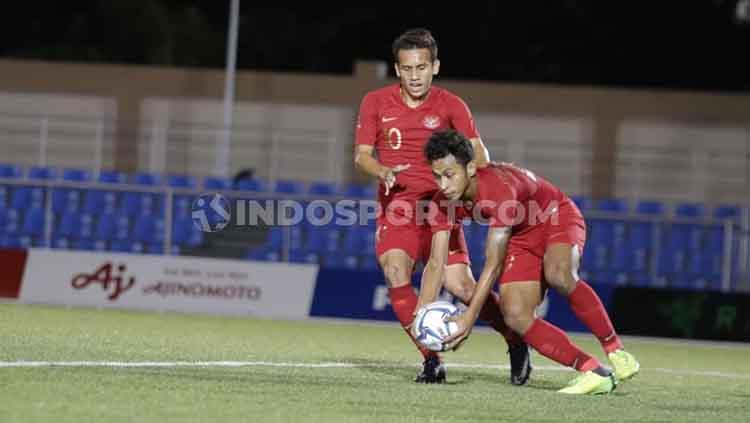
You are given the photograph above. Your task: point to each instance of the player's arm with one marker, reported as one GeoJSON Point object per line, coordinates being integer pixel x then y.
{"type": "Point", "coordinates": [495, 250]}
{"type": "Point", "coordinates": [366, 162]}
{"type": "Point", "coordinates": [463, 121]}
{"type": "Point", "coordinates": [432, 275]}
{"type": "Point", "coordinates": [481, 154]}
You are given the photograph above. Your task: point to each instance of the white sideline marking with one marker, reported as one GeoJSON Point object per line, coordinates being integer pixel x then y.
{"type": "Point", "coordinates": [325, 365]}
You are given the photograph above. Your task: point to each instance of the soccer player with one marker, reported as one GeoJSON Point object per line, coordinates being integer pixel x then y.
{"type": "Point", "coordinates": [535, 239]}
{"type": "Point", "coordinates": [395, 122]}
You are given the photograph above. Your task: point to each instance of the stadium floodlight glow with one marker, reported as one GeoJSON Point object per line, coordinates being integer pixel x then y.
{"type": "Point", "coordinates": [742, 11]}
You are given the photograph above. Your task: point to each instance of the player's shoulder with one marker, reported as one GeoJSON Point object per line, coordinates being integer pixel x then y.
{"type": "Point", "coordinates": [447, 95]}
{"type": "Point", "coordinates": [380, 93]}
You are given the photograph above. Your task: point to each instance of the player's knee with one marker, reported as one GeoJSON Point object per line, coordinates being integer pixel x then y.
{"type": "Point", "coordinates": [517, 316]}
{"type": "Point", "coordinates": [395, 273]}
{"type": "Point", "coordinates": [464, 291]}
{"type": "Point", "coordinates": [559, 275]}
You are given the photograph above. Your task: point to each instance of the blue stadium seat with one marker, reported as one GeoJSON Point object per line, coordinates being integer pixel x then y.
{"type": "Point", "coordinates": [323, 239]}
{"type": "Point", "coordinates": [255, 185]}
{"type": "Point", "coordinates": [144, 203]}
{"type": "Point", "coordinates": [642, 234]}
{"type": "Point", "coordinates": [694, 210]}
{"type": "Point", "coordinates": [583, 202]}
{"type": "Point", "coordinates": [612, 205]}
{"type": "Point", "coordinates": [76, 175]}
{"type": "Point", "coordinates": [184, 233]}
{"type": "Point", "coordinates": [181, 181]}
{"type": "Point", "coordinates": [10, 171]}
{"type": "Point", "coordinates": [304, 256]}
{"type": "Point", "coordinates": [148, 230]}
{"type": "Point", "coordinates": [147, 178]}
{"type": "Point", "coordinates": [33, 222]}
{"type": "Point", "coordinates": [69, 199]}
{"type": "Point", "coordinates": [112, 226]}
{"type": "Point", "coordinates": [42, 173]}
{"type": "Point", "coordinates": [112, 177]}
{"type": "Point", "coordinates": [216, 183]}
{"type": "Point", "coordinates": [285, 186]}
{"type": "Point", "coordinates": [322, 188]}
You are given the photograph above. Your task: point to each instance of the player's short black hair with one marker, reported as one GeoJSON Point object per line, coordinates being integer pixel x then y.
{"type": "Point", "coordinates": [415, 38]}
{"type": "Point", "coordinates": [449, 141]}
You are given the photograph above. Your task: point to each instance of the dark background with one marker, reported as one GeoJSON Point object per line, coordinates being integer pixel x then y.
{"type": "Point", "coordinates": [694, 45]}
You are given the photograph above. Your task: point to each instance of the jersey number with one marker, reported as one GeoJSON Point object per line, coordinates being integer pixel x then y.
{"type": "Point", "coordinates": [394, 138]}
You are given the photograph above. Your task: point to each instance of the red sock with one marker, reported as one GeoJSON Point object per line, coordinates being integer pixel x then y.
{"type": "Point", "coordinates": [404, 301]}
{"type": "Point", "coordinates": [589, 309]}
{"type": "Point", "coordinates": [554, 344]}
{"type": "Point", "coordinates": [491, 314]}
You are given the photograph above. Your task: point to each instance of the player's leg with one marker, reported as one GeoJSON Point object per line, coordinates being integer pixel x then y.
{"type": "Point", "coordinates": [460, 282]}
{"type": "Point", "coordinates": [561, 261]}
{"type": "Point", "coordinates": [397, 247]}
{"type": "Point", "coordinates": [519, 300]}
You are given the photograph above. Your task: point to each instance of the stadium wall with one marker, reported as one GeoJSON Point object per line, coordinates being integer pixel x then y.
{"type": "Point", "coordinates": [607, 109]}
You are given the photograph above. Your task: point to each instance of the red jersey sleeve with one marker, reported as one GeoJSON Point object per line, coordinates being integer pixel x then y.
{"type": "Point", "coordinates": [461, 118]}
{"type": "Point", "coordinates": [366, 127]}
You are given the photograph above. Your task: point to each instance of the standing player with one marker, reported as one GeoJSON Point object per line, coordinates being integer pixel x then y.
{"type": "Point", "coordinates": [535, 239]}
{"type": "Point", "coordinates": [395, 122]}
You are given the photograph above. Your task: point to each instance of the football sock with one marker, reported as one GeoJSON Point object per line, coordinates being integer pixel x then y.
{"type": "Point", "coordinates": [403, 301]}
{"type": "Point", "coordinates": [554, 344]}
{"type": "Point", "coordinates": [491, 313]}
{"type": "Point", "coordinates": [589, 309]}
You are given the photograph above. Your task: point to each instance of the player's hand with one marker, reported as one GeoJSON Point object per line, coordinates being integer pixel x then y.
{"type": "Point", "coordinates": [456, 339]}
{"type": "Point", "coordinates": [389, 176]}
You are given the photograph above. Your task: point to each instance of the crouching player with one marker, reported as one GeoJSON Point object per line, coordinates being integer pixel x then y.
{"type": "Point", "coordinates": [535, 240]}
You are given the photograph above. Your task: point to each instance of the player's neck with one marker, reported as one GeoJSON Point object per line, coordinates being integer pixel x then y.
{"type": "Point", "coordinates": [412, 102]}
{"type": "Point", "coordinates": [471, 191]}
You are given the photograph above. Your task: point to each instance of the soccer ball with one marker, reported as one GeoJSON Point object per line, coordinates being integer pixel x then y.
{"type": "Point", "coordinates": [430, 327]}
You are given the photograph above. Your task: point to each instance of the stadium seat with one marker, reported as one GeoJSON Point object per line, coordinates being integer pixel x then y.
{"type": "Point", "coordinates": [322, 188]}
{"type": "Point", "coordinates": [216, 183]}
{"type": "Point", "coordinates": [650, 208]}
{"type": "Point", "coordinates": [10, 171]}
{"type": "Point", "coordinates": [285, 186]}
{"type": "Point", "coordinates": [255, 185]}
{"type": "Point", "coordinates": [33, 222]}
{"type": "Point", "coordinates": [323, 239]}
{"type": "Point", "coordinates": [181, 181]}
{"type": "Point", "coordinates": [184, 233]}
{"type": "Point", "coordinates": [612, 205]}
{"type": "Point", "coordinates": [69, 199]}
{"type": "Point", "coordinates": [76, 175]}
{"type": "Point", "coordinates": [42, 173]}
{"type": "Point", "coordinates": [112, 177]}
{"type": "Point", "coordinates": [147, 178]}
{"type": "Point", "coordinates": [360, 191]}
{"type": "Point", "coordinates": [690, 210]}
{"type": "Point", "coordinates": [583, 202]}
{"type": "Point", "coordinates": [148, 229]}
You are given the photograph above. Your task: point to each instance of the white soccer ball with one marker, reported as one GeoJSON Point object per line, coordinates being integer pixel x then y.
{"type": "Point", "coordinates": [430, 327]}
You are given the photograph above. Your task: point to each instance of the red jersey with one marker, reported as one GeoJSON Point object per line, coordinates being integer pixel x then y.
{"type": "Point", "coordinates": [507, 196]}
{"type": "Point", "coordinates": [399, 134]}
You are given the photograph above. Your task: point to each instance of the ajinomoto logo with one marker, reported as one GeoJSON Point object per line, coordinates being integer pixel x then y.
{"type": "Point", "coordinates": [111, 279]}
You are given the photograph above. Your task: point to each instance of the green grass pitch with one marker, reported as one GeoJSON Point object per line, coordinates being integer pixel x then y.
{"type": "Point", "coordinates": [85, 365]}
